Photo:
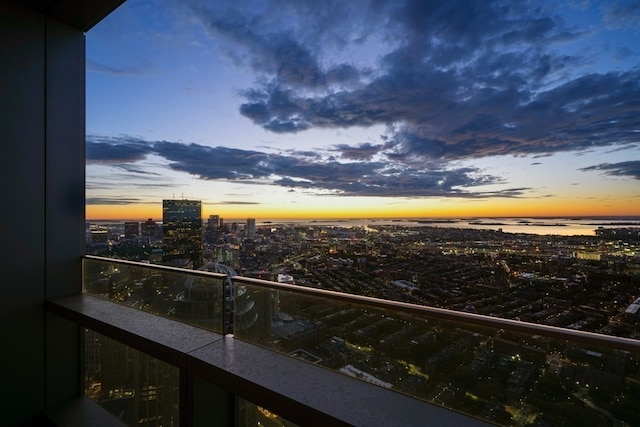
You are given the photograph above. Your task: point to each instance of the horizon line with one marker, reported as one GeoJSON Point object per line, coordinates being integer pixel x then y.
{"type": "Point", "coordinates": [391, 218]}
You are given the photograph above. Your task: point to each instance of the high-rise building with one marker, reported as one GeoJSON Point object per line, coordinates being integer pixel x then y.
{"type": "Point", "coordinates": [182, 232]}
{"type": "Point", "coordinates": [228, 254]}
{"type": "Point", "coordinates": [149, 228]}
{"type": "Point", "coordinates": [251, 228]}
{"type": "Point", "coordinates": [131, 229]}
{"type": "Point", "coordinates": [214, 221]}
{"type": "Point", "coordinates": [212, 229]}
{"type": "Point", "coordinates": [99, 236]}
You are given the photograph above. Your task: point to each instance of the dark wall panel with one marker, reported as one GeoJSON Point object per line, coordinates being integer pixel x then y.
{"type": "Point", "coordinates": [65, 158]}
{"type": "Point", "coordinates": [64, 200]}
{"type": "Point", "coordinates": [22, 132]}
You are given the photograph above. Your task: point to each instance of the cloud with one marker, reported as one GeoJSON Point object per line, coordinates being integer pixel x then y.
{"type": "Point", "coordinates": [363, 151]}
{"type": "Point", "coordinates": [113, 201]}
{"type": "Point", "coordinates": [273, 52]}
{"type": "Point", "coordinates": [630, 169]}
{"type": "Point", "coordinates": [231, 202]}
{"type": "Point", "coordinates": [448, 81]}
{"type": "Point", "coordinates": [115, 150]}
{"type": "Point", "coordinates": [623, 52]}
{"type": "Point", "coordinates": [364, 177]}
{"type": "Point", "coordinates": [622, 13]}
{"type": "Point", "coordinates": [99, 67]}
{"type": "Point", "coordinates": [451, 80]}
{"type": "Point", "coordinates": [615, 149]}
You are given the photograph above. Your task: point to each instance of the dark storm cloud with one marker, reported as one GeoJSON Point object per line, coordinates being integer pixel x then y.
{"type": "Point", "coordinates": [116, 150]}
{"type": "Point", "coordinates": [274, 52]}
{"type": "Point", "coordinates": [630, 169]}
{"type": "Point", "coordinates": [364, 151]}
{"type": "Point", "coordinates": [361, 178]}
{"type": "Point", "coordinates": [282, 39]}
{"type": "Point", "coordinates": [215, 162]}
{"type": "Point", "coordinates": [459, 79]}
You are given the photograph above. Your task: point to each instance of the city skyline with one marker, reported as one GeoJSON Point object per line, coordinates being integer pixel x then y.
{"type": "Point", "coordinates": [365, 109]}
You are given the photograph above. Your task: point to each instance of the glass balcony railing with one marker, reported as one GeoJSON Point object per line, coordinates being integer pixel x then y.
{"type": "Point", "coordinates": [254, 415]}
{"type": "Point", "coordinates": [194, 297]}
{"type": "Point", "coordinates": [503, 371]}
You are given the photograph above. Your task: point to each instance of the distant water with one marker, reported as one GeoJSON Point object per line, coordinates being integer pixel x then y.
{"type": "Point", "coordinates": [541, 226]}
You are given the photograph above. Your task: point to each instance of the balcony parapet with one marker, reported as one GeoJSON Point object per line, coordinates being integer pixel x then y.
{"type": "Point", "coordinates": [306, 394]}
{"type": "Point", "coordinates": [496, 369]}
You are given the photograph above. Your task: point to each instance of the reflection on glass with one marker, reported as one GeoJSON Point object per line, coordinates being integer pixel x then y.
{"type": "Point", "coordinates": [250, 414]}
{"type": "Point", "coordinates": [192, 298]}
{"type": "Point", "coordinates": [136, 388]}
{"type": "Point", "coordinates": [504, 377]}
{"type": "Point", "coordinates": [498, 375]}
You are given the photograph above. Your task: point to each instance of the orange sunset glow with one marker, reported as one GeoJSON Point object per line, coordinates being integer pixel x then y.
{"type": "Point", "coordinates": [355, 209]}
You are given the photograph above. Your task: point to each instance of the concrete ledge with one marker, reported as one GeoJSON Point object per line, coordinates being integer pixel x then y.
{"type": "Point", "coordinates": [163, 338]}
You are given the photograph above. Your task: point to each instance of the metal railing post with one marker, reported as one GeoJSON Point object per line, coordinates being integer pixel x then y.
{"type": "Point", "coordinates": [228, 306]}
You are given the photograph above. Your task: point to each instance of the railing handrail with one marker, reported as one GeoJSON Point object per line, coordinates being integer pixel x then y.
{"type": "Point", "coordinates": [166, 268]}
{"type": "Point", "coordinates": [590, 338]}
{"type": "Point", "coordinates": [455, 316]}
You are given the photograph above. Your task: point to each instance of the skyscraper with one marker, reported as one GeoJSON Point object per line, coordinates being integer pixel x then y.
{"type": "Point", "coordinates": [214, 221]}
{"type": "Point", "coordinates": [182, 232]}
{"type": "Point", "coordinates": [149, 228]}
{"type": "Point", "coordinates": [228, 254]}
{"type": "Point", "coordinates": [251, 228]}
{"type": "Point", "coordinates": [212, 230]}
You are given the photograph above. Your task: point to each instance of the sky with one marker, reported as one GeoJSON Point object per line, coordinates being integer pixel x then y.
{"type": "Point", "coordinates": [365, 109]}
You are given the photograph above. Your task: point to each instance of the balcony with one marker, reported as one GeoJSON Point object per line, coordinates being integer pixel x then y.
{"type": "Point", "coordinates": [216, 350]}
{"type": "Point", "coordinates": [208, 375]}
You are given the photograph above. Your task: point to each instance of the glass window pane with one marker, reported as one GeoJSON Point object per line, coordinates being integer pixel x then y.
{"type": "Point", "coordinates": [138, 389]}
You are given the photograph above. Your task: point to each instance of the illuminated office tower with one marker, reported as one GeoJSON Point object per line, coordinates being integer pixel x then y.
{"type": "Point", "coordinates": [182, 232]}
{"type": "Point", "coordinates": [251, 228]}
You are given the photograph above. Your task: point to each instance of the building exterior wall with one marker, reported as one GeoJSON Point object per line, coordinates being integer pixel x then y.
{"type": "Point", "coordinates": [42, 126]}
{"type": "Point", "coordinates": [22, 124]}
